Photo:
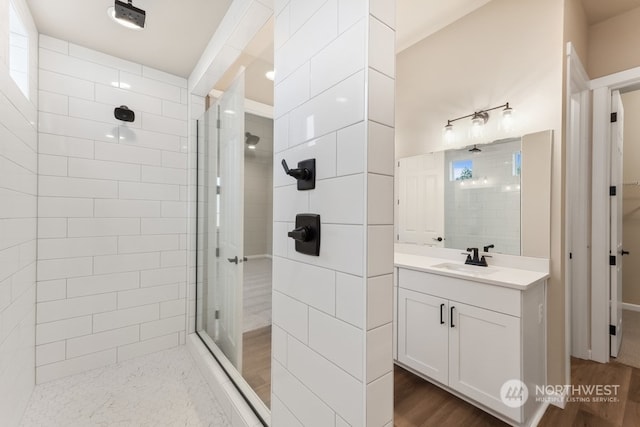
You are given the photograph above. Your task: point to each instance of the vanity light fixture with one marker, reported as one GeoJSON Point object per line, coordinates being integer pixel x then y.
{"type": "Point", "coordinates": [478, 121]}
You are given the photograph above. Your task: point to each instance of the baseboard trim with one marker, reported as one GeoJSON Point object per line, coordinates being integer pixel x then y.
{"type": "Point", "coordinates": [630, 307]}
{"type": "Point", "coordinates": [262, 256]}
{"type": "Point", "coordinates": [537, 417]}
{"type": "Point", "coordinates": [231, 401]}
{"type": "Point", "coordinates": [559, 399]}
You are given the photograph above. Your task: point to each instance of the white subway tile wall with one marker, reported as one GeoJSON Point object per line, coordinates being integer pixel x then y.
{"type": "Point", "coordinates": [484, 210]}
{"type": "Point", "coordinates": [332, 345]}
{"type": "Point", "coordinates": [112, 217]}
{"type": "Point", "coordinates": [18, 225]}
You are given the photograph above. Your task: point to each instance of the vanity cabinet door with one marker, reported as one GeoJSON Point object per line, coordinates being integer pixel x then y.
{"type": "Point", "coordinates": [423, 333]}
{"type": "Point", "coordinates": [484, 349]}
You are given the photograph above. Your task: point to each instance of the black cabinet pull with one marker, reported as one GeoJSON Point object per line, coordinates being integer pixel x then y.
{"type": "Point", "coordinates": [233, 260]}
{"type": "Point", "coordinates": [441, 314]}
{"type": "Point", "coordinates": [452, 308]}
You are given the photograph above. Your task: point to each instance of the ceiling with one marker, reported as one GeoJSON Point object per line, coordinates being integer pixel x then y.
{"type": "Point", "coordinates": [417, 19]}
{"type": "Point", "coordinates": [176, 33]}
{"type": "Point", "coordinates": [256, 60]}
{"type": "Point", "coordinates": [601, 10]}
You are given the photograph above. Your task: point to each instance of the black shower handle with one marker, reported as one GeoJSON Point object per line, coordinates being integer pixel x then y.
{"type": "Point", "coordinates": [300, 234]}
{"type": "Point", "coordinates": [299, 174]}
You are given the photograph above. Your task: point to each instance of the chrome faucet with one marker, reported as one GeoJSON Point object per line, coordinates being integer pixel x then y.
{"type": "Point", "coordinates": [476, 260]}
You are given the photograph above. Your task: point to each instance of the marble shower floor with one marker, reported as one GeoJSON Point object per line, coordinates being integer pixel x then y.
{"type": "Point", "coordinates": [163, 389]}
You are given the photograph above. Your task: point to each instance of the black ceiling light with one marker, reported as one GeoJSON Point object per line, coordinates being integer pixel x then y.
{"type": "Point", "coordinates": [127, 15]}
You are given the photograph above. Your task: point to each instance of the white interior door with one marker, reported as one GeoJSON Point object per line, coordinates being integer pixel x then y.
{"type": "Point", "coordinates": [231, 228]}
{"type": "Point", "coordinates": [421, 201]}
{"type": "Point", "coordinates": [615, 287]}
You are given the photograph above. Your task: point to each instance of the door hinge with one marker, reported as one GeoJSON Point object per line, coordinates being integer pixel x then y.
{"type": "Point", "coordinates": [398, 237]}
{"type": "Point", "coordinates": [217, 252]}
{"type": "Point", "coordinates": [398, 164]}
{"type": "Point", "coordinates": [612, 330]}
{"type": "Point", "coordinates": [570, 255]}
{"type": "Point", "coordinates": [398, 202]}
{"type": "Point", "coordinates": [218, 124]}
{"type": "Point", "coordinates": [614, 117]}
{"type": "Point", "coordinates": [612, 260]}
{"type": "Point", "coordinates": [613, 190]}
{"type": "Point", "coordinates": [217, 314]}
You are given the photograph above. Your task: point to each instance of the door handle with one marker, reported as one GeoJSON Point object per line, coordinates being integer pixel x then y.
{"type": "Point", "coordinates": [452, 325]}
{"type": "Point", "coordinates": [437, 239]}
{"type": "Point", "coordinates": [233, 260]}
{"type": "Point", "coordinates": [441, 314]}
{"type": "Point", "coordinates": [623, 252]}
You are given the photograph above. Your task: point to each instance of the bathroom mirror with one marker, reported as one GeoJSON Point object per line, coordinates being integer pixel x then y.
{"type": "Point", "coordinates": [461, 198]}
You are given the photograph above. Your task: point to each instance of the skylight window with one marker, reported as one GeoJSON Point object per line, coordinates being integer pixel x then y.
{"type": "Point", "coordinates": [18, 51]}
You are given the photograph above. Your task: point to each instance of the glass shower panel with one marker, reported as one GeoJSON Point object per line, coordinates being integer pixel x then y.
{"type": "Point", "coordinates": [220, 224]}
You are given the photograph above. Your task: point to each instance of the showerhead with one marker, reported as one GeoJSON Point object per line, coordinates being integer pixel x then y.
{"type": "Point", "coordinates": [251, 140]}
{"type": "Point", "coordinates": [475, 149]}
{"type": "Point", "coordinates": [130, 14]}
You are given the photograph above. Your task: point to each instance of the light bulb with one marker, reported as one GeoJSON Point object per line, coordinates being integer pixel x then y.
{"type": "Point", "coordinates": [507, 119]}
{"type": "Point", "coordinates": [448, 134]}
{"type": "Point", "coordinates": [477, 127]}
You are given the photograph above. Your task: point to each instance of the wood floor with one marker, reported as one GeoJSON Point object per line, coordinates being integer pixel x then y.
{"type": "Point", "coordinates": [418, 403]}
{"type": "Point", "coordinates": [256, 362]}
{"type": "Point", "coordinates": [625, 413]}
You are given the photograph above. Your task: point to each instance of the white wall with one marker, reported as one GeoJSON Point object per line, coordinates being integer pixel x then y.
{"type": "Point", "coordinates": [258, 188]}
{"type": "Point", "coordinates": [112, 211]}
{"type": "Point", "coordinates": [612, 44]}
{"type": "Point", "coordinates": [631, 199]}
{"type": "Point", "coordinates": [18, 221]}
{"type": "Point", "coordinates": [334, 101]}
{"type": "Point", "coordinates": [496, 54]}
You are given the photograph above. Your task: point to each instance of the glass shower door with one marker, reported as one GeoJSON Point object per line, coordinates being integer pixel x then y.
{"type": "Point", "coordinates": [220, 223]}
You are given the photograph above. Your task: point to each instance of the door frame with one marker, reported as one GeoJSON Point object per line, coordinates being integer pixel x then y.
{"type": "Point", "coordinates": [600, 236]}
{"type": "Point", "coordinates": [577, 205]}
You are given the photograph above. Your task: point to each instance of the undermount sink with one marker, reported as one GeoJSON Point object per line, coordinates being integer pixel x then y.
{"type": "Point", "coordinates": [468, 269]}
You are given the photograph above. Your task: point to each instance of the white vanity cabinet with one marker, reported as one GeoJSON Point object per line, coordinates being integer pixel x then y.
{"type": "Point", "coordinates": [423, 334]}
{"type": "Point", "coordinates": [471, 337]}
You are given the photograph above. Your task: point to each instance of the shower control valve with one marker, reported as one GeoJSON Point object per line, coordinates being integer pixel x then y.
{"type": "Point", "coordinates": [307, 234]}
{"type": "Point", "coordinates": [305, 173]}
{"type": "Point", "coordinates": [301, 234]}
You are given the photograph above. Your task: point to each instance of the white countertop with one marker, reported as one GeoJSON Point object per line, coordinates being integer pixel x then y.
{"type": "Point", "coordinates": [515, 278]}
